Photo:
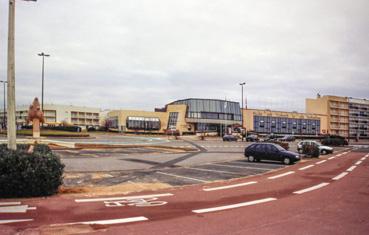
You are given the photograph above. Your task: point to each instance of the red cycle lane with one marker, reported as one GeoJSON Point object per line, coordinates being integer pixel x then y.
{"type": "Point", "coordinates": [64, 209]}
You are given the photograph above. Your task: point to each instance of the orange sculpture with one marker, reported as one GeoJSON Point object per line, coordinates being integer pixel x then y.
{"type": "Point", "coordinates": [36, 116]}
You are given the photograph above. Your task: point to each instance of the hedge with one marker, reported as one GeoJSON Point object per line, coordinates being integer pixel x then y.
{"type": "Point", "coordinates": [25, 174]}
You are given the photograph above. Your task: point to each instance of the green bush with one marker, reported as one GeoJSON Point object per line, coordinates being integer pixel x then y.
{"type": "Point", "coordinates": [25, 174]}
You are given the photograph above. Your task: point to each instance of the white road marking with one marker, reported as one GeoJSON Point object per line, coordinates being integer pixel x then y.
{"type": "Point", "coordinates": [16, 209]}
{"type": "Point", "coordinates": [321, 162]}
{"type": "Point", "coordinates": [183, 177]}
{"type": "Point", "coordinates": [246, 167]}
{"type": "Point", "coordinates": [229, 186]}
{"type": "Point", "coordinates": [311, 188]}
{"type": "Point", "coordinates": [122, 198]}
{"type": "Point", "coordinates": [306, 167]}
{"type": "Point", "coordinates": [358, 162]}
{"type": "Point", "coordinates": [330, 158]}
{"type": "Point", "coordinates": [281, 175]}
{"type": "Point", "coordinates": [9, 203]}
{"type": "Point", "coordinates": [351, 168]}
{"type": "Point", "coordinates": [343, 174]}
{"type": "Point", "coordinates": [208, 170]}
{"type": "Point", "coordinates": [363, 158]}
{"type": "Point", "coordinates": [106, 222]}
{"type": "Point", "coordinates": [338, 155]}
{"type": "Point", "coordinates": [14, 221]}
{"type": "Point", "coordinates": [220, 208]}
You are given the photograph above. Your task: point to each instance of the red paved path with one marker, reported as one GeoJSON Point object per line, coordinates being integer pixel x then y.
{"type": "Point", "coordinates": [342, 207]}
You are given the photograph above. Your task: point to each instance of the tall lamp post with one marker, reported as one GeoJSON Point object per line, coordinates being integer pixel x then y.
{"type": "Point", "coordinates": [242, 85]}
{"type": "Point", "coordinates": [12, 130]}
{"type": "Point", "coordinates": [4, 113]}
{"type": "Point", "coordinates": [43, 77]}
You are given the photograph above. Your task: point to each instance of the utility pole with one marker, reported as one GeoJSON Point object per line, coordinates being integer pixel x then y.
{"type": "Point", "coordinates": [43, 78]}
{"type": "Point", "coordinates": [12, 129]}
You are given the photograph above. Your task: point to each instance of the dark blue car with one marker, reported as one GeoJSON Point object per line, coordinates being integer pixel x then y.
{"type": "Point", "coordinates": [269, 151]}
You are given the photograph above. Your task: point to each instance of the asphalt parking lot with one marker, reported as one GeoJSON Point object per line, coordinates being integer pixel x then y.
{"type": "Point", "coordinates": [215, 160]}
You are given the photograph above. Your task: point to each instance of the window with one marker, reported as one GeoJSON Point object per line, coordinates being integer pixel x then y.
{"type": "Point", "coordinates": [172, 122]}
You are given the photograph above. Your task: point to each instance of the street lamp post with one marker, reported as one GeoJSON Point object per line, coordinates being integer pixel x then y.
{"type": "Point", "coordinates": [4, 113]}
{"type": "Point", "coordinates": [43, 77]}
{"type": "Point", "coordinates": [242, 84]}
{"type": "Point", "coordinates": [12, 130]}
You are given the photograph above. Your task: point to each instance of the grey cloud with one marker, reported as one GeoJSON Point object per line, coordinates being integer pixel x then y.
{"type": "Point", "coordinates": [143, 54]}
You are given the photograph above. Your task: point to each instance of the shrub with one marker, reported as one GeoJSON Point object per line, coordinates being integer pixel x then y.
{"type": "Point", "coordinates": [25, 174]}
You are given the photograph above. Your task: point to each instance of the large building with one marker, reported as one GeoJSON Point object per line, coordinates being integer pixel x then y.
{"type": "Point", "coordinates": [281, 122]}
{"type": "Point", "coordinates": [185, 116]}
{"type": "Point", "coordinates": [346, 116]}
{"type": "Point", "coordinates": [58, 114]}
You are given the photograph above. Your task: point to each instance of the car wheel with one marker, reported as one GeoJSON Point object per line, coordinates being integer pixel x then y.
{"type": "Point", "coordinates": [324, 152]}
{"type": "Point", "coordinates": [300, 151]}
{"type": "Point", "coordinates": [251, 159]}
{"type": "Point", "coordinates": [287, 161]}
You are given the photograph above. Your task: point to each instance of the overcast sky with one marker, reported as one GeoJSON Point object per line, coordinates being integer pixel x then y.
{"type": "Point", "coordinates": [141, 54]}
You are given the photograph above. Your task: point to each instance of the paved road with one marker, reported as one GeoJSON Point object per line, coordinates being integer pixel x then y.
{"type": "Point", "coordinates": [320, 196]}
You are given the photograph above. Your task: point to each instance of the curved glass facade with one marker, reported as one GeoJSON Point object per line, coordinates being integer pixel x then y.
{"type": "Point", "coordinates": [211, 109]}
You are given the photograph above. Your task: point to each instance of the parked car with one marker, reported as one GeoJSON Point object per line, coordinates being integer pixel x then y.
{"type": "Point", "coordinates": [270, 137]}
{"type": "Point", "coordinates": [269, 151]}
{"type": "Point", "coordinates": [334, 140]}
{"type": "Point", "coordinates": [252, 138]}
{"type": "Point", "coordinates": [288, 138]}
{"type": "Point", "coordinates": [229, 138]}
{"type": "Point", "coordinates": [322, 148]}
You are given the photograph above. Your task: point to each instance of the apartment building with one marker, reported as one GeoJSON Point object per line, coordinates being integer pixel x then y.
{"type": "Point", "coordinates": [281, 122]}
{"type": "Point", "coordinates": [56, 114]}
{"type": "Point", "coordinates": [358, 118]}
{"type": "Point", "coordinates": [348, 117]}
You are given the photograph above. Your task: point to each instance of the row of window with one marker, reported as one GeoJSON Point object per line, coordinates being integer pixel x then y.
{"type": "Point", "coordinates": [209, 115]}
{"type": "Point", "coordinates": [143, 123]}
{"type": "Point", "coordinates": [281, 125]}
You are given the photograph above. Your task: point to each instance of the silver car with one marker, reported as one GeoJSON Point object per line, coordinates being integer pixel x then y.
{"type": "Point", "coordinates": [323, 149]}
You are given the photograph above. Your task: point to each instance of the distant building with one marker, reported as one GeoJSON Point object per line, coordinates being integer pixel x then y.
{"type": "Point", "coordinates": [347, 117]}
{"type": "Point", "coordinates": [58, 114]}
{"type": "Point", "coordinates": [185, 116]}
{"type": "Point", "coordinates": [280, 122]}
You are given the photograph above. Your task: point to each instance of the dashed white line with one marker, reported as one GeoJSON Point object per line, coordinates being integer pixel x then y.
{"type": "Point", "coordinates": [9, 203]}
{"type": "Point", "coordinates": [181, 176]}
{"type": "Point", "coordinates": [320, 162]}
{"type": "Point", "coordinates": [351, 168]}
{"type": "Point", "coordinates": [208, 170]}
{"type": "Point", "coordinates": [230, 186]}
{"type": "Point", "coordinates": [14, 221]}
{"type": "Point", "coordinates": [122, 198]}
{"type": "Point", "coordinates": [306, 167]}
{"type": "Point", "coordinates": [281, 175]}
{"type": "Point", "coordinates": [340, 176]}
{"type": "Point", "coordinates": [227, 207]}
{"type": "Point", "coordinates": [16, 209]}
{"type": "Point", "coordinates": [363, 158]}
{"type": "Point", "coordinates": [311, 188]}
{"type": "Point", "coordinates": [358, 162]}
{"type": "Point", "coordinates": [330, 158]}
{"type": "Point", "coordinates": [246, 167]}
{"type": "Point", "coordinates": [106, 222]}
